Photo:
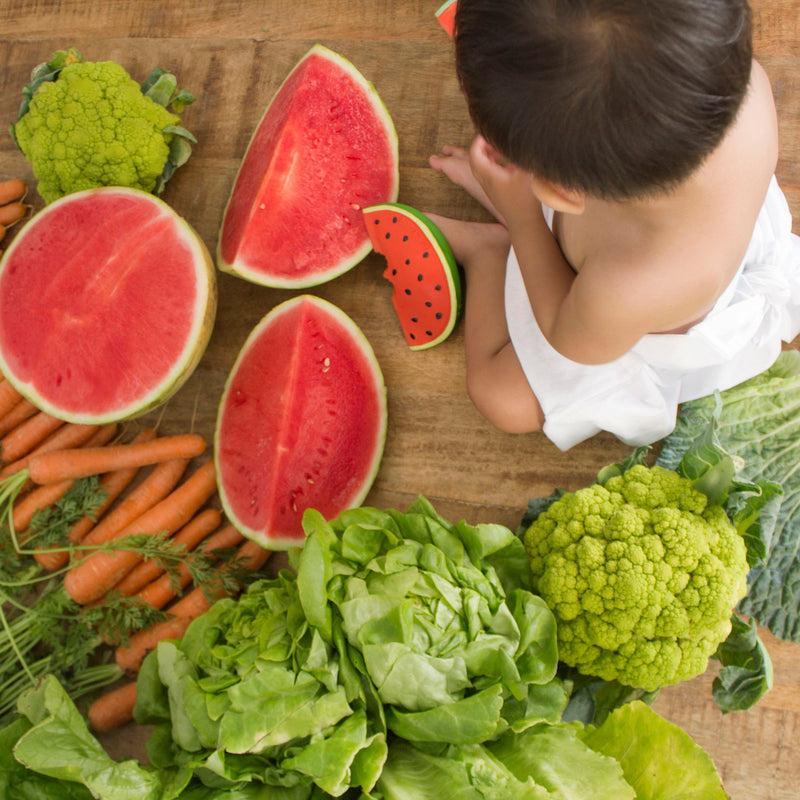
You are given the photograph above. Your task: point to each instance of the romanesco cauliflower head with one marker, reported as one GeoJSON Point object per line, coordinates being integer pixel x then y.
{"type": "Point", "coordinates": [94, 127]}
{"type": "Point", "coordinates": [641, 574]}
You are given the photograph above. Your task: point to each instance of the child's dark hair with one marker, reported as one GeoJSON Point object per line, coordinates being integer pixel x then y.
{"type": "Point", "coordinates": [617, 98]}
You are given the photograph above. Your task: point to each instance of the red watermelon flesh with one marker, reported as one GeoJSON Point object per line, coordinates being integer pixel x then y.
{"type": "Point", "coordinates": [422, 269]}
{"type": "Point", "coordinates": [107, 299]}
{"type": "Point", "coordinates": [301, 424]}
{"type": "Point", "coordinates": [325, 148]}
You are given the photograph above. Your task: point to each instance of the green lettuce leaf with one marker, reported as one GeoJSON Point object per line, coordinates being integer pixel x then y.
{"type": "Point", "coordinates": [438, 618]}
{"type": "Point", "coordinates": [58, 744]}
{"type": "Point", "coordinates": [648, 748]}
{"type": "Point", "coordinates": [759, 425]}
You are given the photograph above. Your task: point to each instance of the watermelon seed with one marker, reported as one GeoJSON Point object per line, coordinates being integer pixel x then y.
{"type": "Point", "coordinates": [394, 272]}
{"type": "Point", "coordinates": [428, 303]}
{"type": "Point", "coordinates": [438, 288]}
{"type": "Point", "coordinates": [408, 291]}
{"type": "Point", "coordinates": [388, 235]}
{"type": "Point", "coordinates": [377, 221]}
{"type": "Point", "coordinates": [394, 219]}
{"type": "Point", "coordinates": [414, 319]}
{"type": "Point", "coordinates": [408, 261]}
{"type": "Point", "coordinates": [438, 315]}
{"type": "Point", "coordinates": [405, 238]}
{"type": "Point", "coordinates": [429, 333]}
{"type": "Point", "coordinates": [419, 277]}
{"type": "Point", "coordinates": [425, 254]}
{"type": "Point", "coordinates": [412, 336]}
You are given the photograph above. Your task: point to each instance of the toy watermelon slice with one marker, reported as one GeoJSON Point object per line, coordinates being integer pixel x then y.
{"type": "Point", "coordinates": [301, 424]}
{"type": "Point", "coordinates": [107, 301]}
{"type": "Point", "coordinates": [325, 148]}
{"type": "Point", "coordinates": [420, 265]}
{"type": "Point", "coordinates": [446, 14]}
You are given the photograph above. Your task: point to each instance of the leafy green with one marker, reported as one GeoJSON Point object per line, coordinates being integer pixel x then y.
{"type": "Point", "coordinates": [759, 426]}
{"type": "Point", "coordinates": [392, 624]}
{"type": "Point", "coordinates": [746, 673]}
{"type": "Point", "coordinates": [648, 748]}
{"type": "Point", "coordinates": [440, 615]}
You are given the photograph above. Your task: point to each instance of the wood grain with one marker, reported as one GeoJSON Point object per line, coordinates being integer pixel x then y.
{"type": "Point", "coordinates": [233, 56]}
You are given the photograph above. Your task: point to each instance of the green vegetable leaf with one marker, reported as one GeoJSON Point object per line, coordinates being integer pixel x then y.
{"type": "Point", "coordinates": [59, 732]}
{"type": "Point", "coordinates": [746, 674]}
{"type": "Point", "coordinates": [759, 426]}
{"type": "Point", "coordinates": [648, 747]}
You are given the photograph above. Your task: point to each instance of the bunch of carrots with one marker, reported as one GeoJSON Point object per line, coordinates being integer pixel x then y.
{"type": "Point", "coordinates": [146, 494]}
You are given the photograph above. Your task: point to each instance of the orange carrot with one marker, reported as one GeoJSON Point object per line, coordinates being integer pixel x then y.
{"type": "Point", "coordinates": [113, 484]}
{"type": "Point", "coordinates": [12, 212]}
{"type": "Point", "coordinates": [19, 413]}
{"type": "Point", "coordinates": [190, 535]}
{"type": "Point", "coordinates": [163, 589]}
{"type": "Point", "coordinates": [12, 189]}
{"type": "Point", "coordinates": [47, 494]}
{"type": "Point", "coordinates": [9, 397]}
{"type": "Point", "coordinates": [101, 571]}
{"type": "Point", "coordinates": [161, 480]}
{"type": "Point", "coordinates": [41, 497]}
{"type": "Point", "coordinates": [27, 435]}
{"type": "Point", "coordinates": [78, 463]}
{"type": "Point", "coordinates": [113, 709]}
{"type": "Point", "coordinates": [70, 434]}
{"type": "Point", "coordinates": [183, 611]}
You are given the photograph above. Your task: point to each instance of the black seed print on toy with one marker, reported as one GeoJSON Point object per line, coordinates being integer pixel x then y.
{"type": "Point", "coordinates": [421, 267]}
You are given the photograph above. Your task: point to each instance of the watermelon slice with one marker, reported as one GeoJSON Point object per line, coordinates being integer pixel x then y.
{"type": "Point", "coordinates": [446, 14]}
{"type": "Point", "coordinates": [301, 424]}
{"type": "Point", "coordinates": [420, 265]}
{"type": "Point", "coordinates": [325, 148]}
{"type": "Point", "coordinates": [107, 301]}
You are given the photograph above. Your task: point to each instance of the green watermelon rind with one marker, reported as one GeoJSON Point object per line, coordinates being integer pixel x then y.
{"type": "Point", "coordinates": [383, 117]}
{"type": "Point", "coordinates": [197, 340]}
{"type": "Point", "coordinates": [442, 248]}
{"type": "Point", "coordinates": [359, 339]}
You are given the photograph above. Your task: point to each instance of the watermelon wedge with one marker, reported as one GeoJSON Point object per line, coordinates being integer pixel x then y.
{"type": "Point", "coordinates": [107, 302]}
{"type": "Point", "coordinates": [301, 423]}
{"type": "Point", "coordinates": [420, 265]}
{"type": "Point", "coordinates": [325, 148]}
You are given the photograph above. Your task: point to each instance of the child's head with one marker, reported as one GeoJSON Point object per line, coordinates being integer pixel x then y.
{"type": "Point", "coordinates": [616, 98]}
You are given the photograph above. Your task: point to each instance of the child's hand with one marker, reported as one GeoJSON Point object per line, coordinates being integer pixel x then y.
{"type": "Point", "coordinates": [507, 187]}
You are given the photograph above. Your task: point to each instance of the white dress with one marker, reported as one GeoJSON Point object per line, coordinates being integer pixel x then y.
{"type": "Point", "coordinates": [636, 396]}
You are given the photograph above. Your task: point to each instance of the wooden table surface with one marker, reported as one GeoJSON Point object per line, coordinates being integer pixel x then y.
{"type": "Point", "coordinates": [233, 55]}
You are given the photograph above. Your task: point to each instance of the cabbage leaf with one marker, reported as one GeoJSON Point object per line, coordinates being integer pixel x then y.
{"type": "Point", "coordinates": [759, 425]}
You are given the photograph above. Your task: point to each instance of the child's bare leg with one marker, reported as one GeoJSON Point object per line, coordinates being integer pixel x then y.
{"type": "Point", "coordinates": [495, 380]}
{"type": "Point", "coordinates": [454, 163]}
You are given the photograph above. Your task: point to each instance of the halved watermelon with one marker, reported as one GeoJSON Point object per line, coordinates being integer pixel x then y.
{"type": "Point", "coordinates": [301, 423]}
{"type": "Point", "coordinates": [325, 148]}
{"type": "Point", "coordinates": [107, 301]}
{"type": "Point", "coordinates": [421, 266]}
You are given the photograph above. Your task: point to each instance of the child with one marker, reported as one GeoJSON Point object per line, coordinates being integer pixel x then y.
{"type": "Point", "coordinates": [643, 254]}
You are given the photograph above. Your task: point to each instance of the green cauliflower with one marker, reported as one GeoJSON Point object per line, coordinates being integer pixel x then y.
{"type": "Point", "coordinates": [642, 575]}
{"type": "Point", "coordinates": [86, 124]}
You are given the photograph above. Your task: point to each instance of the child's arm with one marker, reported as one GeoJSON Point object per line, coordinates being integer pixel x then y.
{"type": "Point", "coordinates": [589, 317]}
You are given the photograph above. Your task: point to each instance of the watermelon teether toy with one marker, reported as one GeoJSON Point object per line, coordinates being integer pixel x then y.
{"type": "Point", "coordinates": [420, 265]}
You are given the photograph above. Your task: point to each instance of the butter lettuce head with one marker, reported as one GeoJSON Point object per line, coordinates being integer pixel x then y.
{"type": "Point", "coordinates": [438, 617]}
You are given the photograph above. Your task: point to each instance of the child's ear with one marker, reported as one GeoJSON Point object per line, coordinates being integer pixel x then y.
{"type": "Point", "coordinates": [558, 197]}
